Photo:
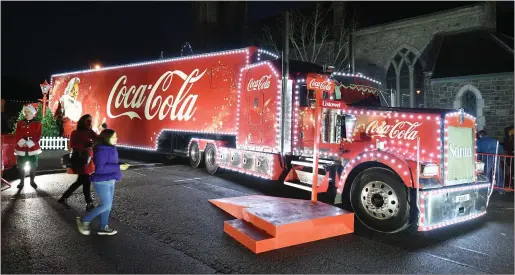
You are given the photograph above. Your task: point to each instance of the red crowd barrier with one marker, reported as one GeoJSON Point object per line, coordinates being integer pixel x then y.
{"type": "Point", "coordinates": [504, 175]}
{"type": "Point", "coordinates": [8, 157]}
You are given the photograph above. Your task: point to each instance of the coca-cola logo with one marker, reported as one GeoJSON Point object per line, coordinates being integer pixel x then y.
{"type": "Point", "coordinates": [400, 130]}
{"type": "Point", "coordinates": [320, 85]}
{"type": "Point", "coordinates": [260, 84]}
{"type": "Point", "coordinates": [176, 106]}
{"type": "Point", "coordinates": [331, 104]}
{"type": "Point", "coordinates": [460, 152]}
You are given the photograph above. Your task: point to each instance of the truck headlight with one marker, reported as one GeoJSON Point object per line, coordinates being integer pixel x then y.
{"type": "Point", "coordinates": [430, 169]}
{"type": "Point", "coordinates": [480, 167]}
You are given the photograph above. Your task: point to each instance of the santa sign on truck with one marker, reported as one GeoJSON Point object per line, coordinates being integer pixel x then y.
{"type": "Point", "coordinates": [229, 110]}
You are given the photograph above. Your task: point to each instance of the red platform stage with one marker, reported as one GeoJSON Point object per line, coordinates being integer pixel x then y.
{"type": "Point", "coordinates": [267, 223]}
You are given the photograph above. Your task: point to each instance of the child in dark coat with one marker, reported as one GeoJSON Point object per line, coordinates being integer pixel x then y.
{"type": "Point", "coordinates": [107, 172]}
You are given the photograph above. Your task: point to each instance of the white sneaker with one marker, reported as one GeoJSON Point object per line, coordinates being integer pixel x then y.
{"type": "Point", "coordinates": [107, 231]}
{"type": "Point", "coordinates": [83, 227]}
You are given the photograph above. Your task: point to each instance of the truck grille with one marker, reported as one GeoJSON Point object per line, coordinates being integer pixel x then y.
{"type": "Point", "coordinates": [460, 155]}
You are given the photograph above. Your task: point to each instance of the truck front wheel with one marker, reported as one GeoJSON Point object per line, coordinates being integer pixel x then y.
{"type": "Point", "coordinates": [195, 155]}
{"type": "Point", "coordinates": [210, 159]}
{"type": "Point", "coordinates": [380, 200]}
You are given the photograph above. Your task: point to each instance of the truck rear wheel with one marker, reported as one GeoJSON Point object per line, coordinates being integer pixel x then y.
{"type": "Point", "coordinates": [210, 159]}
{"type": "Point", "coordinates": [195, 155]}
{"type": "Point", "coordinates": [380, 200]}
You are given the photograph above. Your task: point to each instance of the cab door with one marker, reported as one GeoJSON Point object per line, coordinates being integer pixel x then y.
{"type": "Point", "coordinates": [255, 101]}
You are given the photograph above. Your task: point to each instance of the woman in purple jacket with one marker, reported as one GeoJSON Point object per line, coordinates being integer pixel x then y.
{"type": "Point", "coordinates": [107, 172]}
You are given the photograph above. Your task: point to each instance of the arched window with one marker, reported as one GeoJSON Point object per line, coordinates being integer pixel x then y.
{"type": "Point", "coordinates": [469, 103]}
{"type": "Point", "coordinates": [470, 99]}
{"type": "Point", "coordinates": [405, 76]}
{"type": "Point", "coordinates": [418, 74]}
{"type": "Point", "coordinates": [391, 83]}
{"type": "Point", "coordinates": [404, 81]}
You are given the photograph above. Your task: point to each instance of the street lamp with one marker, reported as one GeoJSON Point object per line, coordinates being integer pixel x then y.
{"type": "Point", "coordinates": [97, 66]}
{"type": "Point", "coordinates": [45, 88]}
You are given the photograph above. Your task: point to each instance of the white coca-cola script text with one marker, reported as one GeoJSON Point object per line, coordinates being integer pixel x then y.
{"type": "Point", "coordinates": [400, 130]}
{"type": "Point", "coordinates": [176, 106]}
{"type": "Point", "coordinates": [260, 84]}
{"type": "Point", "coordinates": [320, 85]}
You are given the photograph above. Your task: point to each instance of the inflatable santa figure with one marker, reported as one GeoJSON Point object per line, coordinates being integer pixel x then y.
{"type": "Point", "coordinates": [28, 134]}
{"type": "Point", "coordinates": [70, 106]}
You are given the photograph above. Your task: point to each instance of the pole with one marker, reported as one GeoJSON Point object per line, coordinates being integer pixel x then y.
{"type": "Point", "coordinates": [286, 73]}
{"type": "Point", "coordinates": [494, 172]}
{"type": "Point", "coordinates": [316, 144]}
{"type": "Point", "coordinates": [44, 105]}
{"type": "Point", "coordinates": [418, 174]}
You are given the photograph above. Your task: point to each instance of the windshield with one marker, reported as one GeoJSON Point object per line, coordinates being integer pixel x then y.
{"type": "Point", "coordinates": [356, 95]}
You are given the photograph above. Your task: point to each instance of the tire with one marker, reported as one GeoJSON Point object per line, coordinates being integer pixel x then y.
{"type": "Point", "coordinates": [381, 200]}
{"type": "Point", "coordinates": [196, 157]}
{"type": "Point", "coordinates": [210, 159]}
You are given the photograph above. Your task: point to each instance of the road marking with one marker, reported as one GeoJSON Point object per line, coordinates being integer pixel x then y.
{"type": "Point", "coordinates": [187, 179]}
{"type": "Point", "coordinates": [452, 261]}
{"type": "Point", "coordinates": [471, 250]}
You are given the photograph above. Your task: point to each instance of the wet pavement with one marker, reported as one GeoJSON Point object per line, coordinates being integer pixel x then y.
{"type": "Point", "coordinates": [166, 225]}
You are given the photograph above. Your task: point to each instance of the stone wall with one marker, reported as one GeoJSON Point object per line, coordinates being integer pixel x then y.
{"type": "Point", "coordinates": [497, 92]}
{"type": "Point", "coordinates": [375, 46]}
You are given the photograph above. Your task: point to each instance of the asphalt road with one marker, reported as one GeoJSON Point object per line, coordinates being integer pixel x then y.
{"type": "Point", "coordinates": [167, 225]}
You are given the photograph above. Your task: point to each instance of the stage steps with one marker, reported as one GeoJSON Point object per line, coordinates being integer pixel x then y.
{"type": "Point", "coordinates": [266, 223]}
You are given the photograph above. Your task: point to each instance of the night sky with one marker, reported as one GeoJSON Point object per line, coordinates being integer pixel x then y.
{"type": "Point", "coordinates": [42, 38]}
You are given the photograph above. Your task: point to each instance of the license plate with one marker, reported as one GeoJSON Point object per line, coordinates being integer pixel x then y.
{"type": "Point", "coordinates": [462, 198]}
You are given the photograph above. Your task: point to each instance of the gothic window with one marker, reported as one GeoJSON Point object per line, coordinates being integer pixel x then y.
{"type": "Point", "coordinates": [404, 81]}
{"type": "Point", "coordinates": [391, 78]}
{"type": "Point", "coordinates": [418, 74]}
{"type": "Point", "coordinates": [468, 103]}
{"type": "Point", "coordinates": [405, 76]}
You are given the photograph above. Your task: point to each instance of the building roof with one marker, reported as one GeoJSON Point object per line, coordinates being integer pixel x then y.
{"type": "Point", "coordinates": [469, 52]}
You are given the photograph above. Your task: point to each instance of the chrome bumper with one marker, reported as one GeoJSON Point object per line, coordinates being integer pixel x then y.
{"type": "Point", "coordinates": [441, 207]}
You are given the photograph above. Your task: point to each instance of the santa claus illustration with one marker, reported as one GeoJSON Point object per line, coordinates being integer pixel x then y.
{"type": "Point", "coordinates": [71, 108]}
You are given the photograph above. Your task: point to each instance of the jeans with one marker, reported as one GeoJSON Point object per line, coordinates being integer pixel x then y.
{"type": "Point", "coordinates": [86, 188]}
{"type": "Point", "coordinates": [105, 191]}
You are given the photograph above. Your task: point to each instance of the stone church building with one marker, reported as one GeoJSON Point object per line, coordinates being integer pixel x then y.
{"type": "Point", "coordinates": [450, 59]}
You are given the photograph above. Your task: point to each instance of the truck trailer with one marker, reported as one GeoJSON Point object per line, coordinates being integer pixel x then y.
{"type": "Point", "coordinates": [309, 129]}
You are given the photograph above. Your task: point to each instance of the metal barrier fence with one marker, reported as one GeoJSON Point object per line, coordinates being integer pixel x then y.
{"type": "Point", "coordinates": [504, 175]}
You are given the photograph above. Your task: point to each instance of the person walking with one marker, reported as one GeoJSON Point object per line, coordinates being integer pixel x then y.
{"type": "Point", "coordinates": [28, 133]}
{"type": "Point", "coordinates": [107, 172]}
{"type": "Point", "coordinates": [81, 144]}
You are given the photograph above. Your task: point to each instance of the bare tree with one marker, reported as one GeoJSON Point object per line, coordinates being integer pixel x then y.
{"type": "Point", "coordinates": [314, 38]}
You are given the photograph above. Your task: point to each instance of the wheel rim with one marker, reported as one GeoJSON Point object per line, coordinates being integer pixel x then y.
{"type": "Point", "coordinates": [210, 157]}
{"type": "Point", "coordinates": [379, 200]}
{"type": "Point", "coordinates": [194, 154]}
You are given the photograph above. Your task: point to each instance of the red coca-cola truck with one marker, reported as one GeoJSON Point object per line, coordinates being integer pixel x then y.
{"type": "Point", "coordinates": [235, 110]}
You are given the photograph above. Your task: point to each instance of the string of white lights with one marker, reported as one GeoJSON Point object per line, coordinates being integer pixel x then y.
{"type": "Point", "coordinates": [175, 59]}
{"type": "Point", "coordinates": [358, 75]}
